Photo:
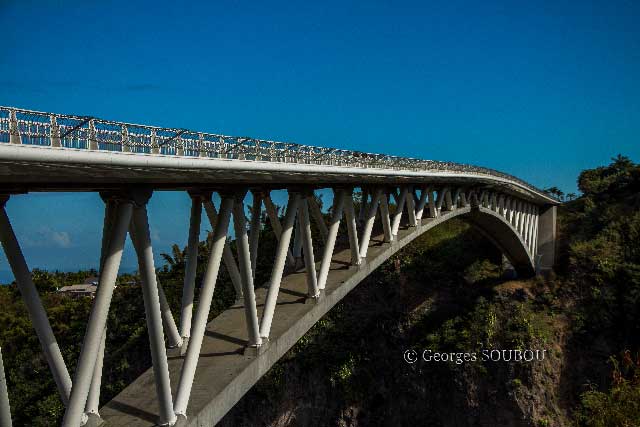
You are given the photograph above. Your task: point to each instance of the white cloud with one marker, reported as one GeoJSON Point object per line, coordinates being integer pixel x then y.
{"type": "Point", "coordinates": [46, 237]}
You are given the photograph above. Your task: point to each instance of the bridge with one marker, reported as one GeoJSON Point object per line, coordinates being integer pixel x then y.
{"type": "Point", "coordinates": [200, 369]}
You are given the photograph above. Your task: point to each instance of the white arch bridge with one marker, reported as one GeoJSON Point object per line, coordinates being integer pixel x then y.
{"type": "Point", "coordinates": [212, 365]}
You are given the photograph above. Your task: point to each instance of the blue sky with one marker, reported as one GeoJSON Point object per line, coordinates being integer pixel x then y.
{"type": "Point", "coordinates": [541, 90]}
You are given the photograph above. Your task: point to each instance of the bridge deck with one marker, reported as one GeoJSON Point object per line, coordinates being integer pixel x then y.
{"type": "Point", "coordinates": [224, 374]}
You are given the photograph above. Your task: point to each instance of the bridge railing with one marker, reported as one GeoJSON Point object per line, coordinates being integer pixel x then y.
{"type": "Point", "coordinates": [21, 126]}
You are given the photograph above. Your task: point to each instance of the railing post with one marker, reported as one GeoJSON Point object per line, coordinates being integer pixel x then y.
{"type": "Point", "coordinates": [32, 301]}
{"type": "Point", "coordinates": [154, 142]}
{"type": "Point", "coordinates": [152, 308]}
{"type": "Point", "coordinates": [14, 130]}
{"type": "Point", "coordinates": [93, 141]}
{"type": "Point", "coordinates": [54, 132]}
{"type": "Point", "coordinates": [124, 139]}
{"type": "Point", "coordinates": [201, 146]}
{"type": "Point", "coordinates": [191, 266]}
{"type": "Point", "coordinates": [278, 265]}
{"type": "Point", "coordinates": [202, 312]}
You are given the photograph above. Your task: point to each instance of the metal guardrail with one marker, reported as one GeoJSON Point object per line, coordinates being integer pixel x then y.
{"type": "Point", "coordinates": [21, 126]}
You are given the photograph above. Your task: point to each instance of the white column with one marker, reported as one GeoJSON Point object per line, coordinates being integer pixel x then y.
{"type": "Point", "coordinates": [278, 265]}
{"type": "Point", "coordinates": [397, 216]}
{"type": "Point", "coordinates": [272, 213]}
{"type": "Point", "coordinates": [316, 213]}
{"type": "Point", "coordinates": [534, 250]}
{"type": "Point", "coordinates": [204, 305]}
{"type": "Point", "coordinates": [191, 267]}
{"type": "Point", "coordinates": [254, 229]}
{"type": "Point", "coordinates": [309, 258]}
{"type": "Point", "coordinates": [384, 215]}
{"type": "Point", "coordinates": [352, 229]}
{"type": "Point", "coordinates": [297, 244]}
{"type": "Point", "coordinates": [244, 265]}
{"type": "Point", "coordinates": [169, 324]}
{"type": "Point", "coordinates": [442, 195]}
{"type": "Point", "coordinates": [98, 317]}
{"type": "Point", "coordinates": [34, 306]}
{"type": "Point", "coordinates": [368, 226]}
{"type": "Point", "coordinates": [433, 212]}
{"type": "Point", "coordinates": [334, 225]}
{"type": "Point", "coordinates": [419, 208]}
{"type": "Point", "coordinates": [5, 408]}
{"type": "Point", "coordinates": [412, 212]}
{"type": "Point", "coordinates": [227, 256]}
{"type": "Point", "coordinates": [363, 204]}
{"type": "Point", "coordinates": [93, 399]}
{"type": "Point", "coordinates": [153, 314]}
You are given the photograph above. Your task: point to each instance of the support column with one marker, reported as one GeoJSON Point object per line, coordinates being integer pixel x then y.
{"type": "Point", "coordinates": [278, 265]}
{"type": "Point", "coordinates": [368, 226]}
{"type": "Point", "coordinates": [440, 201]}
{"type": "Point", "coordinates": [254, 229]}
{"type": "Point", "coordinates": [98, 317]}
{"type": "Point", "coordinates": [352, 229]}
{"type": "Point", "coordinates": [363, 204]}
{"type": "Point", "coordinates": [546, 238]}
{"type": "Point", "coordinates": [384, 215]}
{"type": "Point", "coordinates": [334, 225]}
{"type": "Point", "coordinates": [5, 408]}
{"type": "Point", "coordinates": [309, 259]}
{"type": "Point", "coordinates": [272, 213]}
{"type": "Point", "coordinates": [34, 306]}
{"type": "Point", "coordinates": [227, 256]}
{"type": "Point", "coordinates": [433, 212]}
{"type": "Point", "coordinates": [169, 324]}
{"type": "Point", "coordinates": [419, 207]}
{"type": "Point", "coordinates": [534, 240]}
{"type": "Point", "coordinates": [153, 313]}
{"type": "Point", "coordinates": [93, 399]}
{"type": "Point", "coordinates": [204, 305]}
{"type": "Point", "coordinates": [244, 265]}
{"type": "Point", "coordinates": [191, 267]}
{"type": "Point", "coordinates": [316, 213]}
{"type": "Point", "coordinates": [297, 245]}
{"type": "Point", "coordinates": [397, 216]}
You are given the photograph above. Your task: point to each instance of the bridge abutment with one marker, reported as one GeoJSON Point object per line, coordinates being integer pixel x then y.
{"type": "Point", "coordinates": [546, 248]}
